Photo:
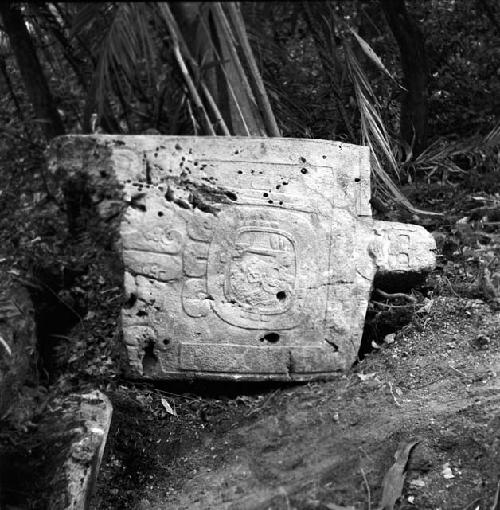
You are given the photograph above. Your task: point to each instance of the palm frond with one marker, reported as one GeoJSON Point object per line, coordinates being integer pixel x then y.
{"type": "Point", "coordinates": [372, 55]}
{"type": "Point", "coordinates": [87, 17]}
{"type": "Point", "coordinates": [227, 49]}
{"type": "Point", "coordinates": [244, 93]}
{"type": "Point", "coordinates": [127, 50]}
{"type": "Point", "coordinates": [254, 73]}
{"type": "Point", "coordinates": [182, 53]}
{"type": "Point", "coordinates": [374, 133]}
{"type": "Point", "coordinates": [439, 156]}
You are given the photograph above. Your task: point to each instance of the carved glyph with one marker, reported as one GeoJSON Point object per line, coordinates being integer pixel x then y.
{"type": "Point", "coordinates": [244, 258]}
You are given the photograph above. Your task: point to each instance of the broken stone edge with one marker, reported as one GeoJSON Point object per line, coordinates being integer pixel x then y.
{"type": "Point", "coordinates": [79, 472]}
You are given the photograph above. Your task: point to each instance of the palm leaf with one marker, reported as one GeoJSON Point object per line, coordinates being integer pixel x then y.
{"type": "Point", "coordinates": [370, 53]}
{"type": "Point", "coordinates": [244, 96]}
{"type": "Point", "coordinates": [374, 134]}
{"type": "Point", "coordinates": [373, 131]}
{"type": "Point", "coordinates": [126, 49]}
{"type": "Point", "coordinates": [183, 58]}
{"type": "Point", "coordinates": [254, 73]}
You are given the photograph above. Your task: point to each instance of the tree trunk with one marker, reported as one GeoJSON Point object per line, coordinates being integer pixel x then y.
{"type": "Point", "coordinates": [31, 69]}
{"type": "Point", "coordinates": [413, 124]}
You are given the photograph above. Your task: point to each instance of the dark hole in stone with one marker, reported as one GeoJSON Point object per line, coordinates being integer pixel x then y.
{"type": "Point", "coordinates": [142, 313]}
{"type": "Point", "coordinates": [103, 173]}
{"type": "Point", "coordinates": [333, 344]}
{"type": "Point", "coordinates": [130, 301]}
{"type": "Point", "coordinates": [285, 183]}
{"type": "Point", "coordinates": [232, 196]}
{"type": "Point", "coordinates": [271, 337]}
{"type": "Point", "coordinates": [240, 171]}
{"type": "Point", "coordinates": [265, 194]}
{"type": "Point", "coordinates": [280, 202]}
{"type": "Point", "coordinates": [324, 157]}
{"type": "Point", "coordinates": [178, 147]}
{"type": "Point", "coordinates": [156, 154]}
{"type": "Point", "coordinates": [140, 207]}
{"type": "Point", "coordinates": [281, 295]}
{"type": "Point", "coordinates": [303, 171]}
{"type": "Point", "coordinates": [166, 341]}
{"type": "Point", "coordinates": [169, 195]}
{"type": "Point", "coordinates": [357, 179]}
{"type": "Point", "coordinates": [150, 363]}
{"type": "Point", "coordinates": [380, 324]}
{"type": "Point", "coordinates": [302, 159]}
{"type": "Point", "coordinates": [160, 214]}
{"type": "Point", "coordinates": [137, 202]}
{"type": "Point", "coordinates": [269, 201]}
{"type": "Point", "coordinates": [278, 186]}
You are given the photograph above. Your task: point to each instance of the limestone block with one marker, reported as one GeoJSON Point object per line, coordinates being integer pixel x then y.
{"type": "Point", "coordinates": [245, 258]}
{"type": "Point", "coordinates": [85, 420]}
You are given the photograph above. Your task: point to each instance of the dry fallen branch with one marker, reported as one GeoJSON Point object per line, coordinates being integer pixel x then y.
{"type": "Point", "coordinates": [392, 393]}
{"type": "Point", "coordinates": [397, 295]}
{"type": "Point", "coordinates": [386, 305]}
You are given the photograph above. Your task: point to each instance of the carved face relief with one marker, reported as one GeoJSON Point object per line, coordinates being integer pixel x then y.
{"type": "Point", "coordinates": [262, 271]}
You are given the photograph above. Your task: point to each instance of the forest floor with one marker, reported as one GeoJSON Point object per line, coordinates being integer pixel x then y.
{"type": "Point", "coordinates": [307, 446]}
{"type": "Point", "coordinates": [430, 394]}
{"type": "Point", "coordinates": [330, 445]}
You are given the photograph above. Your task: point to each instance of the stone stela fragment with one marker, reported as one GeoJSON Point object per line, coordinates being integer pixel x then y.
{"type": "Point", "coordinates": [244, 258]}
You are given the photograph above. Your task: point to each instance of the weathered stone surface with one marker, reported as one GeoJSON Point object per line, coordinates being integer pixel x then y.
{"type": "Point", "coordinates": [244, 258]}
{"type": "Point", "coordinates": [85, 419]}
{"type": "Point", "coordinates": [17, 341]}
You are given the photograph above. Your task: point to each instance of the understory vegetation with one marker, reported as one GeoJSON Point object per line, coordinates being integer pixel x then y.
{"type": "Point", "coordinates": [419, 82]}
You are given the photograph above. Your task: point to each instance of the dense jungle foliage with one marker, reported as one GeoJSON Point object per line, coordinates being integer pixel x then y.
{"type": "Point", "coordinates": [417, 81]}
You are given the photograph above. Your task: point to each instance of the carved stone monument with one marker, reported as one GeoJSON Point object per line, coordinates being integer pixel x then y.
{"type": "Point", "coordinates": [245, 258]}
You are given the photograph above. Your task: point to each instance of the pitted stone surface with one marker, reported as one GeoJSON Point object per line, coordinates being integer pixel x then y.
{"type": "Point", "coordinates": [244, 258]}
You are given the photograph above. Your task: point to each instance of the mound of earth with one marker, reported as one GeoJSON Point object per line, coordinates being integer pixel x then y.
{"type": "Point", "coordinates": [324, 445]}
